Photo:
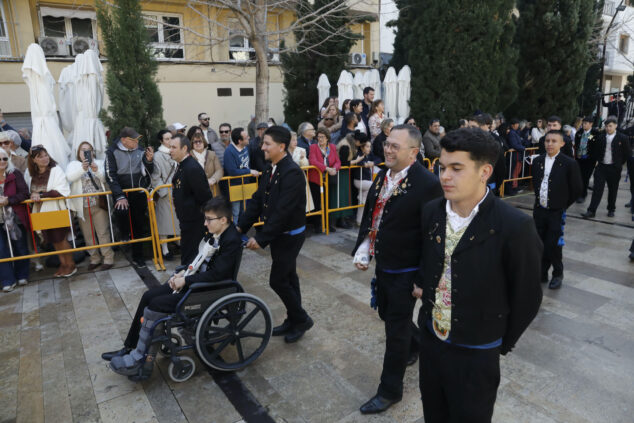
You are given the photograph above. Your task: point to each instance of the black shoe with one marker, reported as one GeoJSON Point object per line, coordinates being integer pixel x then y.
{"type": "Point", "coordinates": [580, 200]}
{"type": "Point", "coordinates": [610, 214]}
{"type": "Point", "coordinates": [588, 214]}
{"type": "Point", "coordinates": [555, 282]}
{"type": "Point", "coordinates": [377, 404]}
{"type": "Point", "coordinates": [413, 358]}
{"type": "Point", "coordinates": [109, 355]}
{"type": "Point", "coordinates": [168, 257]}
{"type": "Point", "coordinates": [632, 256]}
{"type": "Point", "coordinates": [282, 329]}
{"type": "Point", "coordinates": [139, 262]}
{"type": "Point", "coordinates": [298, 331]}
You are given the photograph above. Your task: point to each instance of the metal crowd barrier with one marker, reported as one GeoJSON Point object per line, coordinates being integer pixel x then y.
{"type": "Point", "coordinates": [63, 218]}
{"type": "Point", "coordinates": [525, 171]}
{"type": "Point", "coordinates": [338, 206]}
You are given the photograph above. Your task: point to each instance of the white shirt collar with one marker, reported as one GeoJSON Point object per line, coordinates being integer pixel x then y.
{"type": "Point", "coordinates": [398, 175]}
{"type": "Point", "coordinates": [458, 222]}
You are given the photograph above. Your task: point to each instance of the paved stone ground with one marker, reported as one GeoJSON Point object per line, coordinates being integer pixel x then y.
{"type": "Point", "coordinates": [574, 364]}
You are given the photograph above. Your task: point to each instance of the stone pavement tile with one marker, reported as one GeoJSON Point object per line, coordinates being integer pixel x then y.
{"type": "Point", "coordinates": [118, 310]}
{"type": "Point", "coordinates": [130, 287]}
{"type": "Point", "coordinates": [584, 301]}
{"type": "Point", "coordinates": [618, 315]}
{"type": "Point", "coordinates": [82, 399]}
{"type": "Point", "coordinates": [30, 397]}
{"type": "Point", "coordinates": [11, 312]}
{"type": "Point", "coordinates": [130, 407]}
{"type": "Point", "coordinates": [331, 396]}
{"type": "Point", "coordinates": [511, 408]}
{"type": "Point", "coordinates": [601, 287]}
{"type": "Point", "coordinates": [56, 399]}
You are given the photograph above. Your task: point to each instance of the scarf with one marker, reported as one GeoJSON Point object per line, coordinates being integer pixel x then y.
{"type": "Point", "coordinates": [200, 157]}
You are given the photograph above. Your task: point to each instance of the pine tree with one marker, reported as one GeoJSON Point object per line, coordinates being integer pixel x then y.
{"type": "Point", "coordinates": [552, 37]}
{"type": "Point", "coordinates": [313, 57]}
{"type": "Point", "coordinates": [131, 74]}
{"type": "Point", "coordinates": [461, 56]}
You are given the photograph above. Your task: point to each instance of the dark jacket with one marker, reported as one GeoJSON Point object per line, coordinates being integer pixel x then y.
{"type": "Point", "coordinates": [126, 169]}
{"type": "Point", "coordinates": [620, 149]}
{"type": "Point", "coordinates": [566, 149]}
{"type": "Point", "coordinates": [223, 263]}
{"type": "Point", "coordinates": [591, 141]}
{"type": "Point", "coordinates": [303, 143]}
{"type": "Point", "coordinates": [431, 145]}
{"type": "Point", "coordinates": [515, 140]}
{"type": "Point", "coordinates": [256, 155]}
{"type": "Point", "coordinates": [280, 202]}
{"type": "Point", "coordinates": [377, 147]}
{"type": "Point", "coordinates": [397, 244]}
{"type": "Point", "coordinates": [16, 190]}
{"type": "Point", "coordinates": [190, 191]}
{"type": "Point", "coordinates": [564, 183]}
{"type": "Point", "coordinates": [495, 268]}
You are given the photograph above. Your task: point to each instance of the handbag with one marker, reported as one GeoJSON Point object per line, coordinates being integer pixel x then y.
{"type": "Point", "coordinates": [102, 200]}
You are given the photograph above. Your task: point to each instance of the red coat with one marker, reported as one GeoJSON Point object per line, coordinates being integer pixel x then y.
{"type": "Point", "coordinates": [316, 158]}
{"type": "Point", "coordinates": [16, 190]}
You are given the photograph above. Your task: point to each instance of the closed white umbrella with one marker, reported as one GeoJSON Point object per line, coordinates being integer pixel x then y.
{"type": "Point", "coordinates": [390, 83]}
{"type": "Point", "coordinates": [89, 91]}
{"type": "Point", "coordinates": [375, 82]}
{"type": "Point", "coordinates": [46, 129]}
{"type": "Point", "coordinates": [404, 91]}
{"type": "Point", "coordinates": [359, 84]}
{"type": "Point", "coordinates": [67, 97]}
{"type": "Point", "coordinates": [344, 87]}
{"type": "Point", "coordinates": [323, 87]}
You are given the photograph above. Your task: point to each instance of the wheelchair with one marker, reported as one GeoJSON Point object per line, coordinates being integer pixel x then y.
{"type": "Point", "coordinates": [226, 327]}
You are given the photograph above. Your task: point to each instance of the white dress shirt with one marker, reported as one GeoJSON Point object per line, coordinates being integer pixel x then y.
{"type": "Point", "coordinates": [458, 222]}
{"type": "Point", "coordinates": [543, 189]}
{"type": "Point", "coordinates": [607, 158]}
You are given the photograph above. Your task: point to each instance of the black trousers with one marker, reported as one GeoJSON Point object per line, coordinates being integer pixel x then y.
{"type": "Point", "coordinates": [630, 172]}
{"type": "Point", "coordinates": [602, 174]}
{"type": "Point", "coordinates": [191, 235]}
{"type": "Point", "coordinates": [283, 279]}
{"type": "Point", "coordinates": [396, 307]}
{"type": "Point", "coordinates": [457, 385]}
{"type": "Point", "coordinates": [138, 217]}
{"type": "Point", "coordinates": [549, 227]}
{"type": "Point", "coordinates": [586, 166]}
{"type": "Point", "coordinates": [159, 299]}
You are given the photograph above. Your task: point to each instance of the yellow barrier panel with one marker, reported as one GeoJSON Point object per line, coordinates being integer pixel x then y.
{"type": "Point", "coordinates": [527, 152]}
{"type": "Point", "coordinates": [50, 220]}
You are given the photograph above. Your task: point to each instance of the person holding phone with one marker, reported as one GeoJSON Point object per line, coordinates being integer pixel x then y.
{"type": "Point", "coordinates": [86, 176]}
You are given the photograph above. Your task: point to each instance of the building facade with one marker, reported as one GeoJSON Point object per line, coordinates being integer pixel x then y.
{"type": "Point", "coordinates": [619, 56]}
{"type": "Point", "coordinates": [206, 63]}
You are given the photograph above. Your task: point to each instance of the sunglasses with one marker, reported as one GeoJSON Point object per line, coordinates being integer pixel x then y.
{"type": "Point", "coordinates": [4, 159]}
{"type": "Point", "coordinates": [329, 119]}
{"type": "Point", "coordinates": [224, 132]}
{"type": "Point", "coordinates": [36, 149]}
{"type": "Point", "coordinates": [205, 119]}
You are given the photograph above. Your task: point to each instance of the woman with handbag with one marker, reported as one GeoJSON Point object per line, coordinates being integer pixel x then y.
{"type": "Point", "coordinates": [86, 176]}
{"type": "Point", "coordinates": [164, 169]}
{"type": "Point", "coordinates": [47, 180]}
{"type": "Point", "coordinates": [15, 226]}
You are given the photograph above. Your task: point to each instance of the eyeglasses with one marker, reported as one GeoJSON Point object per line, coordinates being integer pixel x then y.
{"type": "Point", "coordinates": [224, 132]}
{"type": "Point", "coordinates": [4, 159]}
{"type": "Point", "coordinates": [211, 219]}
{"type": "Point", "coordinates": [6, 142]}
{"type": "Point", "coordinates": [198, 142]}
{"type": "Point", "coordinates": [329, 119]}
{"type": "Point", "coordinates": [207, 119]}
{"type": "Point", "coordinates": [36, 149]}
{"type": "Point", "coordinates": [392, 146]}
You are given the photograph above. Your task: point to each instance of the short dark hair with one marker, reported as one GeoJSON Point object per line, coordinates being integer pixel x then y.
{"type": "Point", "coordinates": [367, 90]}
{"type": "Point", "coordinates": [279, 134]}
{"type": "Point", "coordinates": [611, 119]}
{"type": "Point", "coordinates": [349, 117]}
{"type": "Point", "coordinates": [414, 136]}
{"type": "Point", "coordinates": [183, 141]}
{"type": "Point", "coordinates": [555, 132]}
{"type": "Point", "coordinates": [554, 119]}
{"type": "Point", "coordinates": [515, 121]}
{"type": "Point", "coordinates": [588, 119]}
{"type": "Point", "coordinates": [480, 145]}
{"type": "Point", "coordinates": [483, 119]}
{"type": "Point", "coordinates": [200, 114]}
{"type": "Point", "coordinates": [160, 134]}
{"type": "Point", "coordinates": [236, 134]}
{"type": "Point", "coordinates": [354, 103]}
{"type": "Point", "coordinates": [360, 136]}
{"type": "Point", "coordinates": [218, 205]}
{"type": "Point", "coordinates": [462, 122]}
{"type": "Point", "coordinates": [410, 117]}
{"type": "Point", "coordinates": [324, 132]}
{"type": "Point", "coordinates": [224, 124]}
{"type": "Point", "coordinates": [434, 120]}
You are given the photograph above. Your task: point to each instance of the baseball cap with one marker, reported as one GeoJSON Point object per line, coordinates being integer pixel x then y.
{"type": "Point", "coordinates": [262, 125]}
{"type": "Point", "coordinates": [178, 126]}
{"type": "Point", "coordinates": [129, 132]}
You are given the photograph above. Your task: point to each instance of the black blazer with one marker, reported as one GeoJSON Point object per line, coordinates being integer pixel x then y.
{"type": "Point", "coordinates": [593, 134]}
{"type": "Point", "coordinates": [397, 245]}
{"type": "Point", "coordinates": [190, 191]}
{"type": "Point", "coordinates": [223, 263]}
{"type": "Point", "coordinates": [280, 201]}
{"type": "Point", "coordinates": [566, 149]}
{"type": "Point", "coordinates": [564, 183]}
{"type": "Point", "coordinates": [495, 268]}
{"type": "Point", "coordinates": [620, 148]}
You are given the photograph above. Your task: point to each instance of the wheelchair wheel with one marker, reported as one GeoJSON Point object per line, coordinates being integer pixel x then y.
{"type": "Point", "coordinates": [181, 370]}
{"type": "Point", "coordinates": [177, 340]}
{"type": "Point", "coordinates": [233, 332]}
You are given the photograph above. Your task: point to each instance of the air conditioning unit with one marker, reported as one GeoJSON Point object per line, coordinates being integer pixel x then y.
{"type": "Point", "coordinates": [81, 44]}
{"type": "Point", "coordinates": [54, 46]}
{"type": "Point", "coordinates": [358, 59]}
{"type": "Point", "coordinates": [273, 57]}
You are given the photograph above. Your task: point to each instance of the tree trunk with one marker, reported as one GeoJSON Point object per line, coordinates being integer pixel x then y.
{"type": "Point", "coordinates": [261, 81]}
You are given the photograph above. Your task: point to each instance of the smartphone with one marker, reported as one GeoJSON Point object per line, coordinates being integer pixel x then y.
{"type": "Point", "coordinates": [88, 156]}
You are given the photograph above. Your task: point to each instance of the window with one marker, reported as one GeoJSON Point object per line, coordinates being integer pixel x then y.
{"type": "Point", "coordinates": [165, 36]}
{"type": "Point", "coordinates": [224, 92]}
{"type": "Point", "coordinates": [67, 23]}
{"type": "Point", "coordinates": [624, 43]}
{"type": "Point", "coordinates": [246, 92]}
{"type": "Point", "coordinates": [239, 48]}
{"type": "Point", "coordinates": [5, 44]}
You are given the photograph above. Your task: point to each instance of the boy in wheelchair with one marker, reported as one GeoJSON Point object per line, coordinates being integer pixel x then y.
{"type": "Point", "coordinates": [158, 302]}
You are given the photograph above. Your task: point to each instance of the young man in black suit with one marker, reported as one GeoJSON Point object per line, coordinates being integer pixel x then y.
{"type": "Point", "coordinates": [157, 302]}
{"type": "Point", "coordinates": [557, 183]}
{"type": "Point", "coordinates": [584, 140]}
{"type": "Point", "coordinates": [554, 124]}
{"type": "Point", "coordinates": [609, 152]}
{"type": "Point", "coordinates": [190, 193]}
{"type": "Point", "coordinates": [479, 283]}
{"type": "Point", "coordinates": [281, 203]}
{"type": "Point", "coordinates": [391, 233]}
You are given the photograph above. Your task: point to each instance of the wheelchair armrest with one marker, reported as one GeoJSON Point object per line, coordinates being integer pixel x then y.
{"type": "Point", "coordinates": [213, 285]}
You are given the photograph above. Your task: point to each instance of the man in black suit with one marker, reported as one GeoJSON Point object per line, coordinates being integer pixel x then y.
{"type": "Point", "coordinates": [391, 233]}
{"type": "Point", "coordinates": [190, 191]}
{"type": "Point", "coordinates": [610, 151]}
{"type": "Point", "coordinates": [157, 302]}
{"type": "Point", "coordinates": [480, 283]}
{"type": "Point", "coordinates": [554, 124]}
{"type": "Point", "coordinates": [484, 122]}
{"type": "Point", "coordinates": [281, 203]}
{"type": "Point", "coordinates": [557, 183]}
{"type": "Point", "coordinates": [584, 140]}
